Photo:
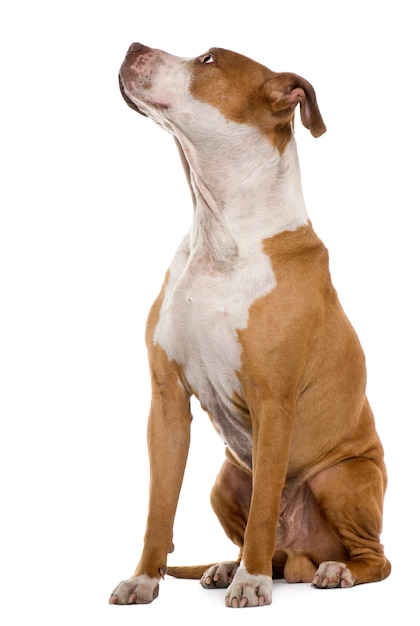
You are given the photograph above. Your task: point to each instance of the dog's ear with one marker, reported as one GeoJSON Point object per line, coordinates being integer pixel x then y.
{"type": "Point", "coordinates": [286, 90]}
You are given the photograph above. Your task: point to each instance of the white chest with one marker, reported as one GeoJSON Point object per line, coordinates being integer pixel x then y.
{"type": "Point", "coordinates": [197, 327]}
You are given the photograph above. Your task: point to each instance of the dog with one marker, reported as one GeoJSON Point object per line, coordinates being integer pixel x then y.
{"type": "Point", "coordinates": [249, 322]}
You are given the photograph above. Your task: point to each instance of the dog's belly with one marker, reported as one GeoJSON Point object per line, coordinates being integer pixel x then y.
{"type": "Point", "coordinates": [202, 310]}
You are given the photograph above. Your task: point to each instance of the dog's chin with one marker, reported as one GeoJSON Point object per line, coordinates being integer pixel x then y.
{"type": "Point", "coordinates": [130, 103]}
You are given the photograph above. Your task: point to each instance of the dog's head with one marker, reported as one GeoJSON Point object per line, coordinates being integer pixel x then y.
{"type": "Point", "coordinates": [181, 93]}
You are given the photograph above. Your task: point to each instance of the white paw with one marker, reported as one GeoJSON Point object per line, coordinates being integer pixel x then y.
{"type": "Point", "coordinates": [220, 575]}
{"type": "Point", "coordinates": [137, 590]}
{"type": "Point", "coordinates": [333, 574]}
{"type": "Point", "coordinates": [249, 590]}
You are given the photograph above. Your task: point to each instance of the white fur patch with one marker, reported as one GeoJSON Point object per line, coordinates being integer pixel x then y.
{"type": "Point", "coordinates": [249, 590]}
{"type": "Point", "coordinates": [201, 312]}
{"type": "Point", "coordinates": [138, 590]}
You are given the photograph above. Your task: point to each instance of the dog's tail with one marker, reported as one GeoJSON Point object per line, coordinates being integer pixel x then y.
{"type": "Point", "coordinates": [188, 571]}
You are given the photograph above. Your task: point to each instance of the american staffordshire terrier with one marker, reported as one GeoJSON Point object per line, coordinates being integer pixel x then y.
{"type": "Point", "coordinates": [249, 322]}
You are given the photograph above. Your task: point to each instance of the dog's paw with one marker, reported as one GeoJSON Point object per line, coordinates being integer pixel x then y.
{"type": "Point", "coordinates": [219, 576]}
{"type": "Point", "coordinates": [137, 590]}
{"type": "Point", "coordinates": [332, 574]}
{"type": "Point", "coordinates": [248, 590]}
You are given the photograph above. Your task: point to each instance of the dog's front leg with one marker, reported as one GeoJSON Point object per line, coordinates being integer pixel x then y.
{"type": "Point", "coordinates": [168, 443]}
{"type": "Point", "coordinates": [272, 427]}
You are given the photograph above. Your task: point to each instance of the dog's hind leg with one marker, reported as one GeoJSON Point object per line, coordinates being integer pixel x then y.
{"type": "Point", "coordinates": [230, 499]}
{"type": "Point", "coordinates": [350, 497]}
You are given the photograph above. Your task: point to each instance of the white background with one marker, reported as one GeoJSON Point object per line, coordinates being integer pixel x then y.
{"type": "Point", "coordinates": [93, 204]}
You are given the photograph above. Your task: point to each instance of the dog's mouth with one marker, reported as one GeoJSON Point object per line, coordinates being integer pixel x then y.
{"type": "Point", "coordinates": [127, 98]}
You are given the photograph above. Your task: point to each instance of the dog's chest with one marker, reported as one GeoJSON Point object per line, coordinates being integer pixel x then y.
{"type": "Point", "coordinates": [197, 327]}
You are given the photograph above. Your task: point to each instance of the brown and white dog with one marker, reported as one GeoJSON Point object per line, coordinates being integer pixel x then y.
{"type": "Point", "coordinates": [248, 321]}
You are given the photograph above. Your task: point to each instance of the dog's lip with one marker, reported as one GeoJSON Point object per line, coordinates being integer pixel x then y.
{"type": "Point", "coordinates": [127, 98]}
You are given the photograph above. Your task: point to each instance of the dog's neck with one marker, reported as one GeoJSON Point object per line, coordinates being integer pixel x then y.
{"type": "Point", "coordinates": [239, 201]}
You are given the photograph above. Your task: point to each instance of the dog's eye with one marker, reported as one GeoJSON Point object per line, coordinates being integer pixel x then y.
{"type": "Point", "coordinates": [208, 58]}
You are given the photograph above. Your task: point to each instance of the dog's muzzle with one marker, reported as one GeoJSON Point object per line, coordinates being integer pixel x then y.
{"type": "Point", "coordinates": [135, 47]}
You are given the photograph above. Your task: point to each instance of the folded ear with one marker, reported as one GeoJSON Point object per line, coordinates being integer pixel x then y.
{"type": "Point", "coordinates": [286, 90]}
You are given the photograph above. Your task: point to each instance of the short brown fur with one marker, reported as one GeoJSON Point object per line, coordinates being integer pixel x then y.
{"type": "Point", "coordinates": [302, 496]}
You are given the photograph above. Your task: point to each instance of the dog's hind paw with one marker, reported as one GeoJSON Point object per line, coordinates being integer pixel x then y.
{"type": "Point", "coordinates": [219, 576]}
{"type": "Point", "coordinates": [332, 574]}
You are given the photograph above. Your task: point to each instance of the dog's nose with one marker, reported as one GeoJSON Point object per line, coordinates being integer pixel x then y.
{"type": "Point", "coordinates": [137, 47]}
